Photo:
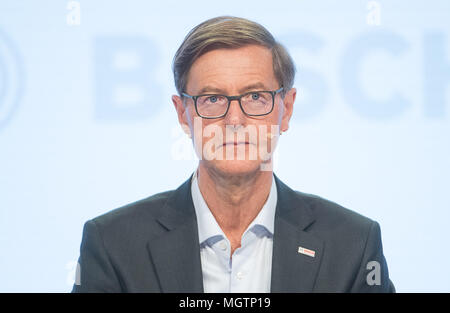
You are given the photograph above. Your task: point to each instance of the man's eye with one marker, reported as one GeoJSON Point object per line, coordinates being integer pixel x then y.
{"type": "Point", "coordinates": [212, 99]}
{"type": "Point", "coordinates": [255, 96]}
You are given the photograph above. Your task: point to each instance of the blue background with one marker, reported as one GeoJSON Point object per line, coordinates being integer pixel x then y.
{"type": "Point", "coordinates": [87, 124]}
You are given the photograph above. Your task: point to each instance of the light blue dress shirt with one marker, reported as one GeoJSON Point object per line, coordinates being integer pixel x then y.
{"type": "Point", "coordinates": [250, 268]}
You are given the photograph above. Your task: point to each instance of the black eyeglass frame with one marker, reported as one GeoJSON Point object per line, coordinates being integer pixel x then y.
{"type": "Point", "coordinates": [231, 98]}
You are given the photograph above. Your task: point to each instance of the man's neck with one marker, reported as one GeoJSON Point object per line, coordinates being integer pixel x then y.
{"type": "Point", "coordinates": [234, 200]}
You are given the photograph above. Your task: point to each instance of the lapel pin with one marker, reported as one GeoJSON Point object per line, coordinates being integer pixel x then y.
{"type": "Point", "coordinates": [307, 252]}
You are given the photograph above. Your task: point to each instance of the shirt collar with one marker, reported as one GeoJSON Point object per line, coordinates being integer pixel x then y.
{"type": "Point", "coordinates": [208, 227]}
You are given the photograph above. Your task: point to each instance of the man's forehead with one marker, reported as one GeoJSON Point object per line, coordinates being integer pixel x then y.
{"type": "Point", "coordinates": [250, 67]}
{"type": "Point", "coordinates": [235, 53]}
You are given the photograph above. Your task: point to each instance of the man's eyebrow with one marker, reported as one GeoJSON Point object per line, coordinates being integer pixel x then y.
{"type": "Point", "coordinates": [255, 86]}
{"type": "Point", "coordinates": [210, 89]}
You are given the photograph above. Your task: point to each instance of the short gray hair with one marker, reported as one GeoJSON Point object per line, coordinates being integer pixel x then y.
{"type": "Point", "coordinates": [230, 32]}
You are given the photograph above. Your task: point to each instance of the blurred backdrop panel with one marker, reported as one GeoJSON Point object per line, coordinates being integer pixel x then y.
{"type": "Point", "coordinates": [87, 123]}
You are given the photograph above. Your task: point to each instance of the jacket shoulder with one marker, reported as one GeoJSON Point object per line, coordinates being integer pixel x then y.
{"type": "Point", "coordinates": [141, 212]}
{"type": "Point", "coordinates": [332, 218]}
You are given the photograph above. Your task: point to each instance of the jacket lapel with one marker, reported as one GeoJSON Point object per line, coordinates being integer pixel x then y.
{"type": "Point", "coordinates": [176, 254]}
{"type": "Point", "coordinates": [294, 271]}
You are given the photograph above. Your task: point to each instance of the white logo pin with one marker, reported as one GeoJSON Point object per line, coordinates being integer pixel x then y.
{"type": "Point", "coordinates": [307, 252]}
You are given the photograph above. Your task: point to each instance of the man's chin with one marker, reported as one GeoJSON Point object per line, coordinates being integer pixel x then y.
{"type": "Point", "coordinates": [236, 167]}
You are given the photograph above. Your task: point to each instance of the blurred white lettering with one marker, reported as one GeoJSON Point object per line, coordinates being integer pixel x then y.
{"type": "Point", "coordinates": [374, 14]}
{"type": "Point", "coordinates": [73, 17]}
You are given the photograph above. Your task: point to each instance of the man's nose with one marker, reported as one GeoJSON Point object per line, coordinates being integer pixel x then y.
{"type": "Point", "coordinates": [235, 115]}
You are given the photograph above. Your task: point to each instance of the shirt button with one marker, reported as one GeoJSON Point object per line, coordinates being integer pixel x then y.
{"type": "Point", "coordinates": [239, 275]}
{"type": "Point", "coordinates": [223, 245]}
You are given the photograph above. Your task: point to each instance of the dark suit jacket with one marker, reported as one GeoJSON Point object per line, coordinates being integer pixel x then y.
{"type": "Point", "coordinates": [152, 245]}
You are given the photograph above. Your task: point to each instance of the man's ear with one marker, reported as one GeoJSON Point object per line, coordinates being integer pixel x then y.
{"type": "Point", "coordinates": [182, 114]}
{"type": "Point", "coordinates": [288, 107]}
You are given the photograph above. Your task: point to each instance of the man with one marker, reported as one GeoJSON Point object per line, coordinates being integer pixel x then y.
{"type": "Point", "coordinates": [233, 226]}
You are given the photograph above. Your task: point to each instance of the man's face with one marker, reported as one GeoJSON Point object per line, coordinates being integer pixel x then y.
{"type": "Point", "coordinates": [236, 143]}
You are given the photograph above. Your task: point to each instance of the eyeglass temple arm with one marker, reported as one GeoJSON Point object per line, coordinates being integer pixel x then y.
{"type": "Point", "coordinates": [186, 95]}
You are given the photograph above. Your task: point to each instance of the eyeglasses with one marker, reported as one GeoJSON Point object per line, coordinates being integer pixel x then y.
{"type": "Point", "coordinates": [253, 103]}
